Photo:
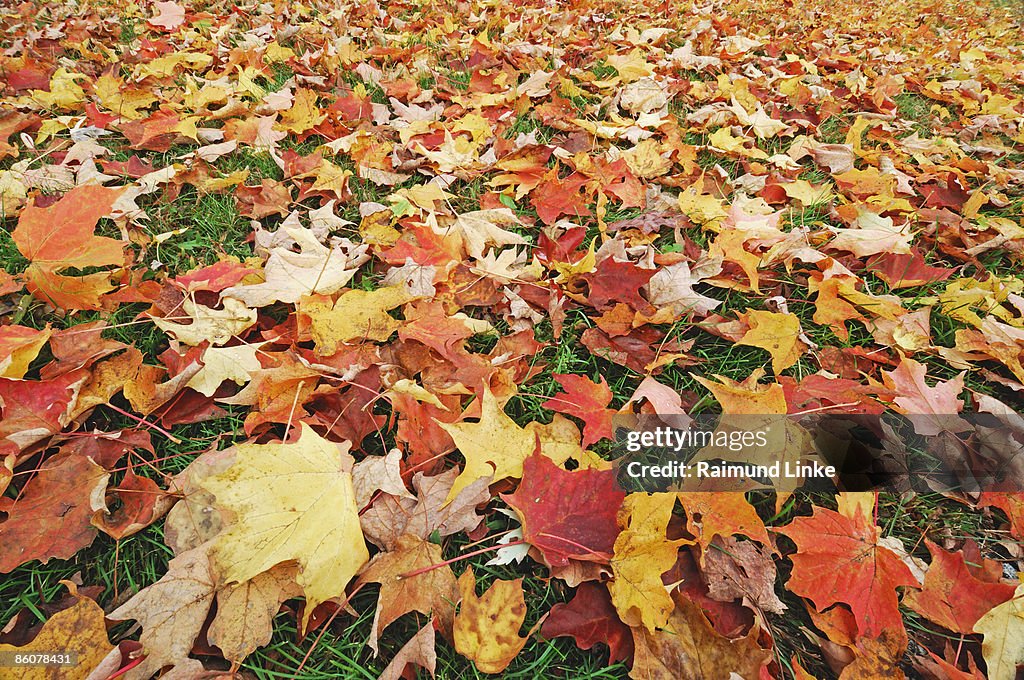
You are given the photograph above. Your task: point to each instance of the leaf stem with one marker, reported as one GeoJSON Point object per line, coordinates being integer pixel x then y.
{"type": "Point", "coordinates": [466, 556]}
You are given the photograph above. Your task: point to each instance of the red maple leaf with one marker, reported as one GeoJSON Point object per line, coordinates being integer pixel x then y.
{"type": "Point", "coordinates": [590, 618]}
{"type": "Point", "coordinates": [588, 401]}
{"type": "Point", "coordinates": [567, 514]}
{"type": "Point", "coordinates": [616, 281]}
{"type": "Point", "coordinates": [838, 559]}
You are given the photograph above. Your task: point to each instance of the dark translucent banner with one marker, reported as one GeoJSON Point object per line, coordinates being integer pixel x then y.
{"type": "Point", "coordinates": [965, 453]}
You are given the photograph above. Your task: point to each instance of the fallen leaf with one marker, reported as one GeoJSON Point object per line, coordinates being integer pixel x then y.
{"type": "Point", "coordinates": [589, 618]}
{"type": "Point", "coordinates": [567, 515]}
{"type": "Point", "coordinates": [51, 518]}
{"type": "Point", "coordinates": [642, 554]}
{"type": "Point", "coordinates": [291, 501]}
{"type": "Point", "coordinates": [171, 611]}
{"type": "Point", "coordinates": [952, 596]}
{"type": "Point", "coordinates": [487, 627]}
{"type": "Point", "coordinates": [1003, 631]}
{"type": "Point", "coordinates": [78, 630]}
{"type": "Point", "coordinates": [839, 559]}
{"type": "Point", "coordinates": [419, 650]}
{"type": "Point", "coordinates": [432, 592]}
{"type": "Point", "coordinates": [688, 647]}
{"type": "Point", "coordinates": [60, 237]}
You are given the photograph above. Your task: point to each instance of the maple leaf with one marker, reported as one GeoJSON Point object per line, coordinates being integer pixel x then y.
{"type": "Point", "coordinates": [721, 514]}
{"type": "Point", "coordinates": [292, 501]}
{"type": "Point", "coordinates": [567, 514]}
{"type": "Point", "coordinates": [617, 281]}
{"type": "Point", "coordinates": [60, 237]}
{"type": "Point", "coordinates": [314, 269]}
{"type": "Point", "coordinates": [215, 326]}
{"type": "Point", "coordinates": [19, 346]}
{"type": "Point", "coordinates": [737, 569]}
{"type": "Point", "coordinates": [52, 516]}
{"type": "Point", "coordinates": [590, 618]}
{"type": "Point", "coordinates": [952, 596]}
{"type": "Point", "coordinates": [171, 611]}
{"type": "Point", "coordinates": [779, 334]}
{"type": "Point", "coordinates": [672, 288]}
{"type": "Point", "coordinates": [431, 592]}
{"type": "Point", "coordinates": [221, 364]}
{"type": "Point", "coordinates": [356, 314]}
{"type": "Point", "coordinates": [482, 228]}
{"type": "Point", "coordinates": [435, 509]}
{"type": "Point", "coordinates": [931, 409]}
{"type": "Point", "coordinates": [34, 410]}
{"type": "Point", "coordinates": [245, 612]}
{"type": "Point", "coordinates": [140, 503]}
{"type": "Point", "coordinates": [494, 447]}
{"type": "Point", "coordinates": [486, 628]}
{"type": "Point", "coordinates": [906, 270]}
{"type": "Point", "coordinates": [419, 650]}
{"type": "Point", "coordinates": [746, 397]}
{"type": "Point", "coordinates": [688, 647]}
{"type": "Point", "coordinates": [642, 554]}
{"type": "Point", "coordinates": [586, 400]}
{"type": "Point", "coordinates": [839, 559]}
{"type": "Point", "coordinates": [78, 631]}
{"type": "Point", "coordinates": [1003, 631]}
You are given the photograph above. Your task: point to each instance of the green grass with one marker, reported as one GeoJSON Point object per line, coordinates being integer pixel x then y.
{"type": "Point", "coordinates": [917, 110]}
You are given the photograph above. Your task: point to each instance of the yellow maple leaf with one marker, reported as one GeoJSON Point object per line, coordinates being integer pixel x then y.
{"type": "Point", "coordinates": [1003, 631]}
{"type": "Point", "coordinates": [77, 631]}
{"type": "Point", "coordinates": [642, 554]}
{"type": "Point", "coordinates": [291, 501]}
{"type": "Point", "coordinates": [704, 209]}
{"type": "Point", "coordinates": [358, 314]}
{"type": "Point", "coordinates": [778, 334]}
{"type": "Point", "coordinates": [746, 397]}
{"type": "Point", "coordinates": [493, 447]}
{"type": "Point", "coordinates": [487, 627]}
{"type": "Point", "coordinates": [303, 115]}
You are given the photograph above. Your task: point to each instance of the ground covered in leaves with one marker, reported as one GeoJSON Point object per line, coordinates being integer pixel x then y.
{"type": "Point", "coordinates": [316, 317]}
